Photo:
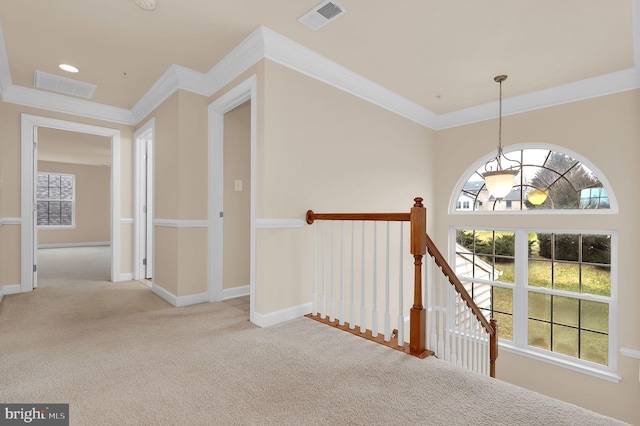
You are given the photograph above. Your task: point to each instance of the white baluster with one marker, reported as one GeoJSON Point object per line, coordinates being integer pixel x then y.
{"type": "Point", "coordinates": [332, 313]}
{"type": "Point", "coordinates": [455, 341]}
{"type": "Point", "coordinates": [341, 318]}
{"type": "Point", "coordinates": [323, 314]}
{"type": "Point", "coordinates": [314, 295]}
{"type": "Point", "coordinates": [374, 313]}
{"type": "Point", "coordinates": [401, 289]}
{"type": "Point", "coordinates": [433, 315]}
{"type": "Point", "coordinates": [363, 309]}
{"type": "Point", "coordinates": [352, 306]}
{"type": "Point", "coordinates": [442, 348]}
{"type": "Point", "coordinates": [387, 296]}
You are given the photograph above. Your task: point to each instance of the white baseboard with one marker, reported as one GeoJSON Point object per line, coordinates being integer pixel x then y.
{"type": "Point", "coordinates": [179, 301]}
{"type": "Point", "coordinates": [266, 320]}
{"type": "Point", "coordinates": [66, 245]}
{"type": "Point", "coordinates": [10, 289]}
{"type": "Point", "coordinates": [126, 277]}
{"type": "Point", "coordinates": [230, 293]}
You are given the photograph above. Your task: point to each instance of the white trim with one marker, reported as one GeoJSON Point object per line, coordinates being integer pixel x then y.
{"type": "Point", "coordinates": [29, 123]}
{"type": "Point", "coordinates": [288, 53]}
{"type": "Point", "coordinates": [245, 91]}
{"type": "Point", "coordinates": [143, 159]}
{"type": "Point", "coordinates": [635, 17]}
{"type": "Point", "coordinates": [127, 276]}
{"type": "Point", "coordinates": [172, 79]}
{"type": "Point", "coordinates": [5, 70]}
{"type": "Point", "coordinates": [265, 43]}
{"type": "Point", "coordinates": [520, 344]}
{"type": "Point", "coordinates": [30, 97]}
{"type": "Point", "coordinates": [10, 220]}
{"type": "Point", "coordinates": [180, 223]}
{"type": "Point", "coordinates": [631, 353]}
{"type": "Point", "coordinates": [280, 223]}
{"type": "Point", "coordinates": [464, 177]}
{"type": "Point", "coordinates": [11, 289]}
{"type": "Point", "coordinates": [126, 220]}
{"type": "Point", "coordinates": [559, 361]}
{"type": "Point", "coordinates": [69, 245]}
{"type": "Point", "coordinates": [607, 84]}
{"type": "Point", "coordinates": [179, 301]}
{"type": "Point", "coordinates": [231, 293]}
{"type": "Point", "coordinates": [267, 320]}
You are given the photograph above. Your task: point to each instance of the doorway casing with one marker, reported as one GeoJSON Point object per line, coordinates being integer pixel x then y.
{"type": "Point", "coordinates": [29, 124]}
{"type": "Point", "coordinates": [143, 140]}
{"type": "Point", "coordinates": [245, 91]}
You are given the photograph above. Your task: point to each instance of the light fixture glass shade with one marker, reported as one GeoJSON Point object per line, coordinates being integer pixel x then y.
{"type": "Point", "coordinates": [537, 196]}
{"type": "Point", "coordinates": [499, 182]}
{"type": "Point", "coordinates": [146, 4]}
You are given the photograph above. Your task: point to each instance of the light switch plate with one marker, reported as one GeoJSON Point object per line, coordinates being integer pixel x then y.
{"type": "Point", "coordinates": [237, 185]}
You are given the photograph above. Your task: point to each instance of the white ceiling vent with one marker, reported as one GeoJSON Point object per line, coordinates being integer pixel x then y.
{"type": "Point", "coordinates": [68, 86]}
{"type": "Point", "coordinates": [322, 14]}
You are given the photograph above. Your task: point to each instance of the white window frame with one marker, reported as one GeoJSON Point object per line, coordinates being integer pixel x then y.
{"type": "Point", "coordinates": [613, 201]}
{"type": "Point", "coordinates": [519, 344]}
{"type": "Point", "coordinates": [73, 204]}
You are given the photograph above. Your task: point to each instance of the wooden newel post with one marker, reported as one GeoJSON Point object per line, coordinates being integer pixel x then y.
{"type": "Point", "coordinates": [418, 317]}
{"type": "Point", "coordinates": [493, 348]}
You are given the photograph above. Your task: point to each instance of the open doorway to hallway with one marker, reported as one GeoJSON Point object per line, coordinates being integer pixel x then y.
{"type": "Point", "coordinates": [73, 206]}
{"type": "Point", "coordinates": [236, 264]}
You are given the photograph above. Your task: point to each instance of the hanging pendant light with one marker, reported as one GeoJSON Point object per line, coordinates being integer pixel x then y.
{"type": "Point", "coordinates": [499, 182]}
{"type": "Point", "coordinates": [537, 196]}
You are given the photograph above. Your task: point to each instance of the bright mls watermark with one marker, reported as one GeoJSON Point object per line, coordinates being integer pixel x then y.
{"type": "Point", "coordinates": [34, 414]}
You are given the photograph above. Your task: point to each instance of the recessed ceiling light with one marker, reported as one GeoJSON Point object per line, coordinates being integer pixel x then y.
{"type": "Point", "coordinates": [68, 68]}
{"type": "Point", "coordinates": [146, 4]}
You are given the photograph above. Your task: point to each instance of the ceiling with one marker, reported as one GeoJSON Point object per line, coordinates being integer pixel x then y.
{"type": "Point", "coordinates": [439, 54]}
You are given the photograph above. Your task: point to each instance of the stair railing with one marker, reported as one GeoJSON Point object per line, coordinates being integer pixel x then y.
{"type": "Point", "coordinates": [456, 329]}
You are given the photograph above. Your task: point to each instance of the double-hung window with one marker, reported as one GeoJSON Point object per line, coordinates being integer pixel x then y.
{"type": "Point", "coordinates": [56, 200]}
{"type": "Point", "coordinates": [551, 293]}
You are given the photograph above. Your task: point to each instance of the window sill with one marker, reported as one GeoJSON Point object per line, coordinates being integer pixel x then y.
{"type": "Point", "coordinates": [604, 373]}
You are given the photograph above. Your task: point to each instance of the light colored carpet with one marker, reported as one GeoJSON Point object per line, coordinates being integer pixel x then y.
{"type": "Point", "coordinates": [122, 356]}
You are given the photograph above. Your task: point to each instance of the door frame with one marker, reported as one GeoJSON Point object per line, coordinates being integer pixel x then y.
{"type": "Point", "coordinates": [141, 234]}
{"type": "Point", "coordinates": [28, 228]}
{"type": "Point", "coordinates": [245, 91]}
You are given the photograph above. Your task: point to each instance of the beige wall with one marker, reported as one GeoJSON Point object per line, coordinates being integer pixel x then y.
{"type": "Point", "coordinates": [326, 150]}
{"type": "Point", "coordinates": [605, 131]}
{"type": "Point", "coordinates": [10, 168]}
{"type": "Point", "coordinates": [237, 204]}
{"type": "Point", "coordinates": [92, 205]}
{"type": "Point", "coordinates": [180, 182]}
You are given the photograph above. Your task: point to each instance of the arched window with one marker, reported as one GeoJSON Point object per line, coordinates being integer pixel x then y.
{"type": "Point", "coordinates": [547, 180]}
{"type": "Point", "coordinates": [552, 291]}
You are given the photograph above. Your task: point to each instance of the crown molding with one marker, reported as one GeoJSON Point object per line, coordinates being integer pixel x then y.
{"type": "Point", "coordinates": [246, 54]}
{"type": "Point", "coordinates": [607, 84]}
{"type": "Point", "coordinates": [290, 54]}
{"type": "Point", "coordinates": [264, 43]}
{"type": "Point", "coordinates": [65, 104]}
{"type": "Point", "coordinates": [5, 72]}
{"type": "Point", "coordinates": [635, 29]}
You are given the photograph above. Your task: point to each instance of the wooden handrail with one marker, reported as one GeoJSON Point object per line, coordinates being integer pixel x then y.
{"type": "Point", "coordinates": [421, 244]}
{"type": "Point", "coordinates": [453, 279]}
{"type": "Point", "coordinates": [491, 327]}
{"type": "Point", "coordinates": [388, 217]}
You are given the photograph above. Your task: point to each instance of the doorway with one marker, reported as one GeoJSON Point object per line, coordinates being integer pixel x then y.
{"type": "Point", "coordinates": [73, 206]}
{"type": "Point", "coordinates": [28, 205]}
{"type": "Point", "coordinates": [143, 201]}
{"type": "Point", "coordinates": [243, 94]}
